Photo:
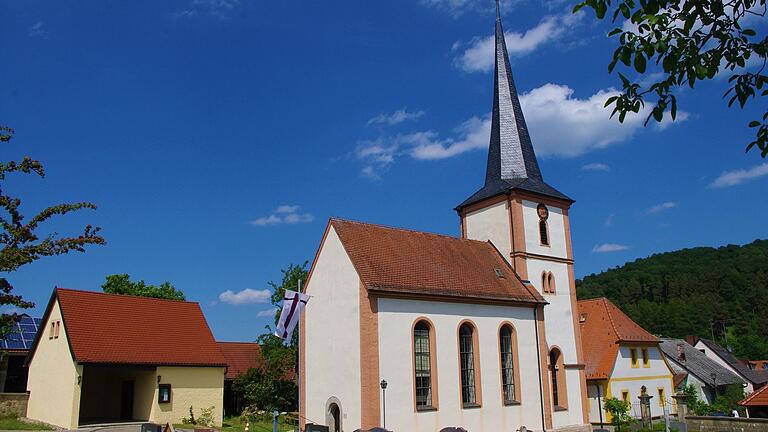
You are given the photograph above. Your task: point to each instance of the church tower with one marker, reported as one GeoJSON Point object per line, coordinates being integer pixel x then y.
{"type": "Point", "coordinates": [527, 220]}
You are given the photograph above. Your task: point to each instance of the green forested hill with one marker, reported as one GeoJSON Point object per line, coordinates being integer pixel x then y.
{"type": "Point", "coordinates": [700, 291]}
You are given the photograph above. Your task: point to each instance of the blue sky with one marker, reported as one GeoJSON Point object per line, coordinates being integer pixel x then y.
{"type": "Point", "coordinates": [218, 136]}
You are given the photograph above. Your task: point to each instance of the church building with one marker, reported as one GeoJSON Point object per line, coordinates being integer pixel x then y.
{"type": "Point", "coordinates": [418, 332]}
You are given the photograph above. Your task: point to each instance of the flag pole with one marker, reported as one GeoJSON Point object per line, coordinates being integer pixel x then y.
{"type": "Point", "coordinates": [298, 351]}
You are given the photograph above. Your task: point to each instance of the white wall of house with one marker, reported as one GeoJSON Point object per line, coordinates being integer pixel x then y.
{"type": "Point", "coordinates": [631, 379]}
{"type": "Point", "coordinates": [396, 319]}
{"type": "Point", "coordinates": [54, 391]}
{"type": "Point", "coordinates": [332, 336]}
{"type": "Point", "coordinates": [701, 346]}
{"type": "Point", "coordinates": [491, 223]}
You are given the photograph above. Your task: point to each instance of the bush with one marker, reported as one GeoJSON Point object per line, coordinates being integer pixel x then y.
{"type": "Point", "coordinates": [619, 411]}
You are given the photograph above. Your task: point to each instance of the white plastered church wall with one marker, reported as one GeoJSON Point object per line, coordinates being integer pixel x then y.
{"type": "Point", "coordinates": [491, 223]}
{"type": "Point", "coordinates": [332, 329]}
{"type": "Point", "coordinates": [396, 319]}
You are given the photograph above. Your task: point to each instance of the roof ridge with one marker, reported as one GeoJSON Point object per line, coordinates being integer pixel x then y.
{"type": "Point", "coordinates": [590, 299]}
{"type": "Point", "coordinates": [239, 343]}
{"type": "Point", "coordinates": [754, 394]}
{"type": "Point", "coordinates": [408, 230]}
{"type": "Point", "coordinates": [610, 318]}
{"type": "Point", "coordinates": [125, 295]}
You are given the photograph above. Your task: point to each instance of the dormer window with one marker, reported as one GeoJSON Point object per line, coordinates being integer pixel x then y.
{"type": "Point", "coordinates": [543, 213]}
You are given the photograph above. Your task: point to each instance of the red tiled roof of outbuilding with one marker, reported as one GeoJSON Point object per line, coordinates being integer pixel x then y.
{"type": "Point", "coordinates": [405, 262]}
{"type": "Point", "coordinates": [757, 398]}
{"type": "Point", "coordinates": [121, 329]}
{"type": "Point", "coordinates": [241, 356]}
{"type": "Point", "coordinates": [603, 327]}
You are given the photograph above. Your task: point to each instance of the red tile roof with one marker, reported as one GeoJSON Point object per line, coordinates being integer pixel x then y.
{"type": "Point", "coordinates": [394, 260]}
{"type": "Point", "coordinates": [757, 398]}
{"type": "Point", "coordinates": [121, 329]}
{"type": "Point", "coordinates": [241, 356]}
{"type": "Point", "coordinates": [603, 327]}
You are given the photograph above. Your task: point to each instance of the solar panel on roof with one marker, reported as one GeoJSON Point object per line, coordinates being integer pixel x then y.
{"type": "Point", "coordinates": [23, 334]}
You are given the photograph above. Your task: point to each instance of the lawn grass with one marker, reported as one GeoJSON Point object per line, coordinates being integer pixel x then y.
{"type": "Point", "coordinates": [234, 424]}
{"type": "Point", "coordinates": [13, 423]}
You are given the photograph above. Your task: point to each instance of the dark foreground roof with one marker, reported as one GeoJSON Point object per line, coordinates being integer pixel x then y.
{"type": "Point", "coordinates": [697, 363]}
{"type": "Point", "coordinates": [754, 377]}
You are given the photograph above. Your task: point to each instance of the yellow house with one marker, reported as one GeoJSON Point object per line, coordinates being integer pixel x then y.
{"type": "Point", "coordinates": [101, 358]}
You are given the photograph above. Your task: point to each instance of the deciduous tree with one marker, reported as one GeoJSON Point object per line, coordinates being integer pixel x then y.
{"type": "Point", "coordinates": [21, 241]}
{"type": "Point", "coordinates": [122, 284]}
{"type": "Point", "coordinates": [675, 43]}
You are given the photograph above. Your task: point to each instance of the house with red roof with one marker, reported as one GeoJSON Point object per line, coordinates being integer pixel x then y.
{"type": "Point", "coordinates": [104, 358]}
{"type": "Point", "coordinates": [756, 403]}
{"type": "Point", "coordinates": [240, 357]}
{"type": "Point", "coordinates": [621, 358]}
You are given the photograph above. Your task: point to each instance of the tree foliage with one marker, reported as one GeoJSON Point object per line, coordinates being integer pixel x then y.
{"type": "Point", "coordinates": [619, 410]}
{"type": "Point", "coordinates": [679, 42]}
{"type": "Point", "coordinates": [21, 241]}
{"type": "Point", "coordinates": [273, 386]}
{"type": "Point", "coordinates": [715, 293]}
{"type": "Point", "coordinates": [122, 284]}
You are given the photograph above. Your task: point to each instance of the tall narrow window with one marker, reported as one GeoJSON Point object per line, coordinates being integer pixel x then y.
{"type": "Point", "coordinates": [550, 283]}
{"type": "Point", "coordinates": [543, 213]}
{"type": "Point", "coordinates": [467, 360]}
{"type": "Point", "coordinates": [544, 281]}
{"type": "Point", "coordinates": [633, 357]}
{"type": "Point", "coordinates": [422, 365]}
{"type": "Point", "coordinates": [646, 358]}
{"type": "Point", "coordinates": [506, 346]}
{"type": "Point", "coordinates": [553, 362]}
{"type": "Point", "coordinates": [557, 369]}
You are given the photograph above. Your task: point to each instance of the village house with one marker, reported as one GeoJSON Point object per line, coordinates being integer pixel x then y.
{"type": "Point", "coordinates": [418, 331]}
{"type": "Point", "coordinates": [111, 358]}
{"type": "Point", "coordinates": [693, 367]}
{"type": "Point", "coordinates": [756, 404]}
{"type": "Point", "coordinates": [755, 379]}
{"type": "Point", "coordinates": [14, 349]}
{"type": "Point", "coordinates": [240, 357]}
{"type": "Point", "coordinates": [621, 358]}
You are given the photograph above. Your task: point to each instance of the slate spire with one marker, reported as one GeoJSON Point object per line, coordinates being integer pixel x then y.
{"type": "Point", "coordinates": [510, 154]}
{"type": "Point", "coordinates": [512, 163]}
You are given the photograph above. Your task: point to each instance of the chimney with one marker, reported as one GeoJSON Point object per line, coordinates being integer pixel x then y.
{"type": "Point", "coordinates": [681, 353]}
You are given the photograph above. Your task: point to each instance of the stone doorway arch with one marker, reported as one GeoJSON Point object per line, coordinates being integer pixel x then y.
{"type": "Point", "coordinates": [334, 415]}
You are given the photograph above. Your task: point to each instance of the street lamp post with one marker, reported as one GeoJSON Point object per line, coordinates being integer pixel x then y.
{"type": "Point", "coordinates": [383, 385]}
{"type": "Point", "coordinates": [714, 385]}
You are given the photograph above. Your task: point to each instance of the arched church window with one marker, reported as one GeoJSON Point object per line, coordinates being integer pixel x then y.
{"type": "Point", "coordinates": [551, 283]}
{"type": "Point", "coordinates": [543, 213]}
{"type": "Point", "coordinates": [508, 351]}
{"type": "Point", "coordinates": [557, 376]}
{"type": "Point", "coordinates": [424, 364]}
{"type": "Point", "coordinates": [470, 366]}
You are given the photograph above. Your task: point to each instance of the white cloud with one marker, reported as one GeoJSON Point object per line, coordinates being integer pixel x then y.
{"type": "Point", "coordinates": [735, 177]}
{"type": "Point", "coordinates": [220, 9]}
{"type": "Point", "coordinates": [549, 110]}
{"type": "Point", "coordinates": [38, 30]}
{"type": "Point", "coordinates": [396, 117]}
{"type": "Point", "coordinates": [457, 8]}
{"type": "Point", "coordinates": [267, 313]}
{"type": "Point", "coordinates": [658, 208]}
{"type": "Point", "coordinates": [246, 296]}
{"type": "Point", "coordinates": [595, 167]}
{"type": "Point", "coordinates": [609, 247]}
{"type": "Point", "coordinates": [284, 214]}
{"type": "Point", "coordinates": [287, 209]}
{"type": "Point", "coordinates": [479, 54]}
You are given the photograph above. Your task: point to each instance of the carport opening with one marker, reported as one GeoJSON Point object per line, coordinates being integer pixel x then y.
{"type": "Point", "coordinates": [116, 394]}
